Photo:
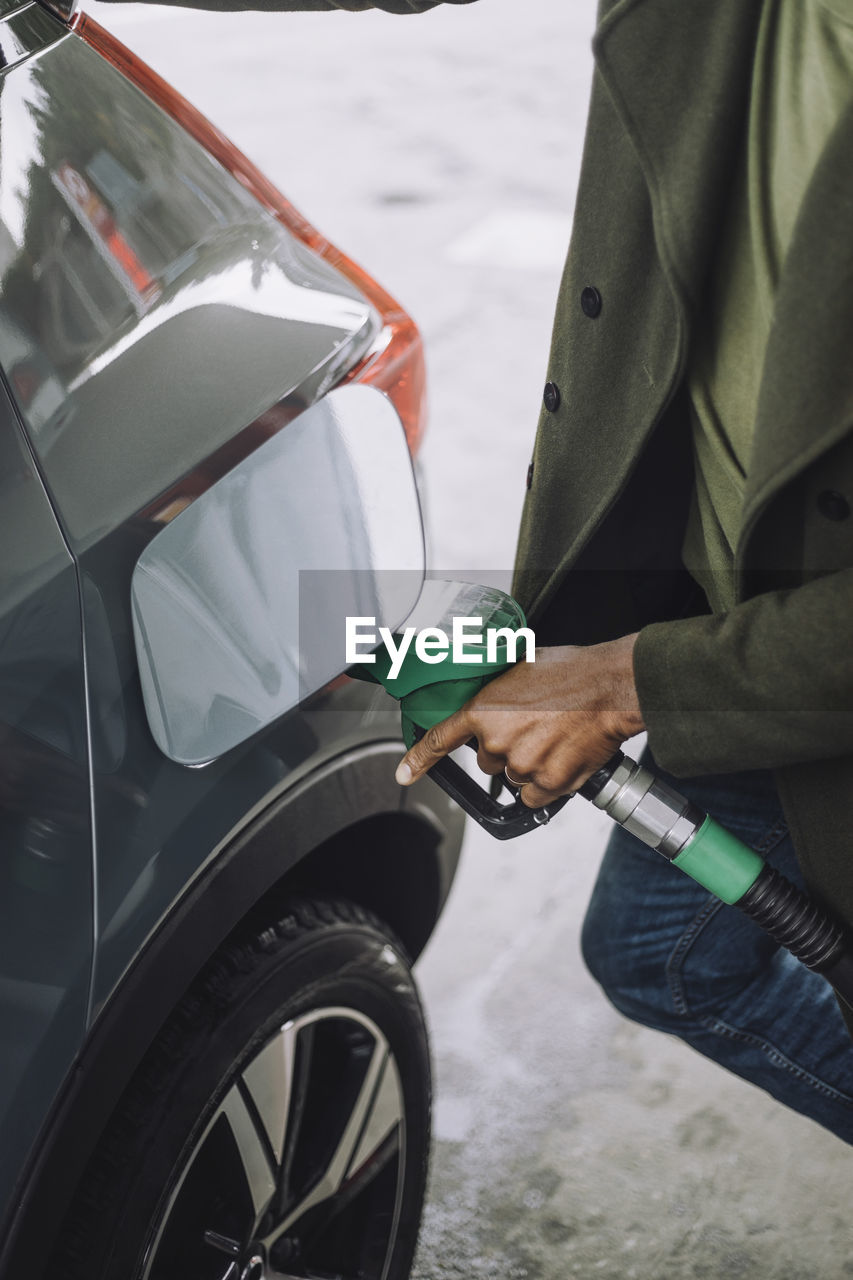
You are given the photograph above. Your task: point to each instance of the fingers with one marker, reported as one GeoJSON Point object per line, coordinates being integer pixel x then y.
{"type": "Point", "coordinates": [565, 776]}
{"type": "Point", "coordinates": [539, 783]}
{"type": "Point", "coordinates": [534, 796]}
{"type": "Point", "coordinates": [489, 762]}
{"type": "Point", "coordinates": [436, 743]}
{"type": "Point", "coordinates": [561, 774]}
{"type": "Point", "coordinates": [549, 755]}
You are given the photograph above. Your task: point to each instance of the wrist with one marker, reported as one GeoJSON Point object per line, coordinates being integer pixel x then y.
{"type": "Point", "coordinates": [625, 701]}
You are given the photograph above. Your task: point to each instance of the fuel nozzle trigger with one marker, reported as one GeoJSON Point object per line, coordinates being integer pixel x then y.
{"type": "Point", "coordinates": [503, 821]}
{"type": "Point", "coordinates": [430, 690]}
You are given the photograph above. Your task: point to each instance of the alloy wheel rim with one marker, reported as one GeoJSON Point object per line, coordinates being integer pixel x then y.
{"type": "Point", "coordinates": [298, 1174]}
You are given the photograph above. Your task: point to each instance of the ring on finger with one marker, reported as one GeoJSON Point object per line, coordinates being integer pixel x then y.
{"type": "Point", "coordinates": [515, 782]}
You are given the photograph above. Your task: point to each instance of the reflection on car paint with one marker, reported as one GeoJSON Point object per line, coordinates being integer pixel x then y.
{"type": "Point", "coordinates": [45, 836]}
{"type": "Point", "coordinates": [149, 295]}
{"type": "Point", "coordinates": [25, 29]}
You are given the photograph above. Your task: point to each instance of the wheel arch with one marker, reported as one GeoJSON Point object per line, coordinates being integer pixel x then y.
{"type": "Point", "coordinates": [386, 863]}
{"type": "Point", "coordinates": [347, 830]}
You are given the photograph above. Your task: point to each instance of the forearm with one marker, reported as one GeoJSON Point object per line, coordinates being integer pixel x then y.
{"type": "Point", "coordinates": [313, 6]}
{"type": "Point", "coordinates": [768, 684]}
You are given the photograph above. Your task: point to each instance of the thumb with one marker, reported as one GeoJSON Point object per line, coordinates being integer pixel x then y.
{"type": "Point", "coordinates": [436, 743]}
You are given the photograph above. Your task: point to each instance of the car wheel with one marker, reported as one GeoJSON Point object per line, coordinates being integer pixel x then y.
{"type": "Point", "coordinates": [278, 1127]}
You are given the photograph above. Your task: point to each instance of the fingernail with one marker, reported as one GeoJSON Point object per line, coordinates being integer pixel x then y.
{"type": "Point", "coordinates": [403, 774]}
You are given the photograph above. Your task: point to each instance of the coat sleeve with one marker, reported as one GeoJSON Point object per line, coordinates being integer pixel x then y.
{"type": "Point", "coordinates": [768, 684]}
{"type": "Point", "coordinates": [315, 6]}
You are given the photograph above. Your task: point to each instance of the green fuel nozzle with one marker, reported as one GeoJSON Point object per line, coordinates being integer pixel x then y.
{"type": "Point", "coordinates": [431, 686]}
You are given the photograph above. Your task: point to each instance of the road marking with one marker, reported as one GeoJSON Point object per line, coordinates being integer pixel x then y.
{"type": "Point", "coordinates": [524, 239]}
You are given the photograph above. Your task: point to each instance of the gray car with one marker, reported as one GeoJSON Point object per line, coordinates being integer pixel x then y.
{"type": "Point", "coordinates": [213, 1061]}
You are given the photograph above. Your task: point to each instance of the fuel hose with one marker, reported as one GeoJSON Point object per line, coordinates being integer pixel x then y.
{"type": "Point", "coordinates": [627, 792]}
{"type": "Point", "coordinates": [664, 820]}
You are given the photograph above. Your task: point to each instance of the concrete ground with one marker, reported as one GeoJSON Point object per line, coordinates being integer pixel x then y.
{"type": "Point", "coordinates": [571, 1142]}
{"type": "Point", "coordinates": [442, 153]}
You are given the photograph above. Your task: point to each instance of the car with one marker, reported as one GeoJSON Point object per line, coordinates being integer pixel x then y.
{"type": "Point", "coordinates": [214, 1059]}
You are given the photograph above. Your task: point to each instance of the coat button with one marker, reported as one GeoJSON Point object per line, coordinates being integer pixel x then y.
{"type": "Point", "coordinates": [833, 505]}
{"type": "Point", "coordinates": [591, 302]}
{"type": "Point", "coordinates": [551, 397]}
{"type": "Point", "coordinates": [530, 475]}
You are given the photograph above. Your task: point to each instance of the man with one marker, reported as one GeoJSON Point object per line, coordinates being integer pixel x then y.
{"type": "Point", "coordinates": [686, 549]}
{"type": "Point", "coordinates": [703, 330]}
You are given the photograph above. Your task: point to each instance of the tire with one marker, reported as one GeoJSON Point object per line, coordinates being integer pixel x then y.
{"type": "Point", "coordinates": [278, 1126]}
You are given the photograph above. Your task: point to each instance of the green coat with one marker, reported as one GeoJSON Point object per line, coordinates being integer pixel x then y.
{"type": "Point", "coordinates": [770, 684]}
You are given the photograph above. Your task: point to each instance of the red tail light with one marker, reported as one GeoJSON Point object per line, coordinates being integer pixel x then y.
{"type": "Point", "coordinates": [395, 363]}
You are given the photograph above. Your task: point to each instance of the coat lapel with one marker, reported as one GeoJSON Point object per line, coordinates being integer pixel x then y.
{"type": "Point", "coordinates": [678, 72]}
{"type": "Point", "coordinates": [665, 120]}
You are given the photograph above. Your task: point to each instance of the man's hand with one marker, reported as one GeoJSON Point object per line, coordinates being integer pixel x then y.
{"type": "Point", "coordinates": [551, 723]}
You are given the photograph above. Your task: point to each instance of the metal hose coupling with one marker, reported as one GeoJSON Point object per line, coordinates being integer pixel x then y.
{"type": "Point", "coordinates": [725, 866]}
{"type": "Point", "coordinates": [643, 805]}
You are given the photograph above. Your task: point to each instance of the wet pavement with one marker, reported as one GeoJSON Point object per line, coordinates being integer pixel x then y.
{"type": "Point", "coordinates": [571, 1142]}
{"type": "Point", "coordinates": [442, 153]}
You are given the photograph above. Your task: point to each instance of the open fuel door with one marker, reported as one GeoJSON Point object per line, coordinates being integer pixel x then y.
{"type": "Point", "coordinates": [240, 603]}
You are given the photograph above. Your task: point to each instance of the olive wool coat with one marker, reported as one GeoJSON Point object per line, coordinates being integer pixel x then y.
{"type": "Point", "coordinates": [770, 683]}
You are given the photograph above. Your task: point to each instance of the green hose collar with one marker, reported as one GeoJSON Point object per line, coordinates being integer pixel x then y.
{"type": "Point", "coordinates": [720, 862]}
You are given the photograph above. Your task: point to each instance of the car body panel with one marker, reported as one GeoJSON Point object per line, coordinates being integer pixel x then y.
{"type": "Point", "coordinates": [169, 307]}
{"type": "Point", "coordinates": [157, 326]}
{"type": "Point", "coordinates": [184, 326]}
{"type": "Point", "coordinates": [45, 871]}
{"type": "Point", "coordinates": [344, 804]}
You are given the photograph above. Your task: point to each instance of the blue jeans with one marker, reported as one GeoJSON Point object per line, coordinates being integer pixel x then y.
{"type": "Point", "coordinates": [674, 958]}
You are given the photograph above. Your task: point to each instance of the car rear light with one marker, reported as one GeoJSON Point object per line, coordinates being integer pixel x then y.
{"type": "Point", "coordinates": [395, 361]}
